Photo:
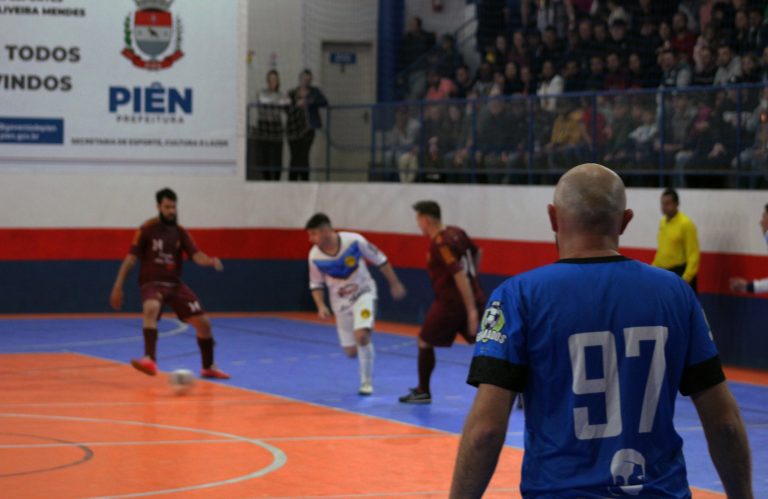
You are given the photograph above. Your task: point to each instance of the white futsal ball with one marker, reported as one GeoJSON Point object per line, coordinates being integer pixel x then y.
{"type": "Point", "coordinates": [181, 380]}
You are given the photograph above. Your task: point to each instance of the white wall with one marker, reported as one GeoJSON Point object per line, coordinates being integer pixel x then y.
{"type": "Point", "coordinates": [727, 220]}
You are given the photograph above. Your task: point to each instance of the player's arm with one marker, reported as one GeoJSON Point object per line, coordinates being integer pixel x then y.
{"type": "Point", "coordinates": [395, 286]}
{"type": "Point", "coordinates": [116, 297]}
{"type": "Point", "coordinates": [204, 260]}
{"type": "Point", "coordinates": [317, 288]}
{"type": "Point", "coordinates": [318, 296]}
{"type": "Point", "coordinates": [481, 441]}
{"type": "Point", "coordinates": [692, 254]}
{"type": "Point", "coordinates": [468, 297]}
{"type": "Point", "coordinates": [756, 286]}
{"type": "Point", "coordinates": [727, 439]}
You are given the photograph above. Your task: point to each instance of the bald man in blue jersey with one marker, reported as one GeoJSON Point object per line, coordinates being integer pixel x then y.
{"type": "Point", "coordinates": [598, 345]}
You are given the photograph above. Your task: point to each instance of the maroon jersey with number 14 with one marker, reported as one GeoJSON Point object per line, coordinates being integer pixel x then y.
{"type": "Point", "coordinates": [160, 247]}
{"type": "Point", "coordinates": [453, 251]}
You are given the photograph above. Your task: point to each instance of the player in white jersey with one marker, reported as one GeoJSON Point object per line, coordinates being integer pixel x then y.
{"type": "Point", "coordinates": [758, 285]}
{"type": "Point", "coordinates": [337, 261]}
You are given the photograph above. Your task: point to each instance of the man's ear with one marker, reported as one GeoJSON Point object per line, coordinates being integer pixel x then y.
{"type": "Point", "coordinates": [552, 212]}
{"type": "Point", "coordinates": [625, 219]}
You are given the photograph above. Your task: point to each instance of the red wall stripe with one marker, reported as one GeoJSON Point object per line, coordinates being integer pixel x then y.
{"type": "Point", "coordinates": [501, 257]}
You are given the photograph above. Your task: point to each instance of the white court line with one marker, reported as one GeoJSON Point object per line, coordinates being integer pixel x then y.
{"type": "Point", "coordinates": [278, 456]}
{"type": "Point", "coordinates": [139, 443]}
{"type": "Point", "coordinates": [179, 329]}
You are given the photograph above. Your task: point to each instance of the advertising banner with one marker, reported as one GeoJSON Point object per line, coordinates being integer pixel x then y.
{"type": "Point", "coordinates": [118, 82]}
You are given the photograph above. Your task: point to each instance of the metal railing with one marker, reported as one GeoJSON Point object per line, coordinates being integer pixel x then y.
{"type": "Point", "coordinates": [701, 137]}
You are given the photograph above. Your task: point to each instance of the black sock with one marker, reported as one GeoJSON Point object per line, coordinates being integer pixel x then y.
{"type": "Point", "coordinates": [206, 351]}
{"type": "Point", "coordinates": [426, 366]}
{"type": "Point", "coordinates": [150, 342]}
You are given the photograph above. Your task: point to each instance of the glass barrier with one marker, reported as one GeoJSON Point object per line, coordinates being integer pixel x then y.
{"type": "Point", "coordinates": [694, 137]}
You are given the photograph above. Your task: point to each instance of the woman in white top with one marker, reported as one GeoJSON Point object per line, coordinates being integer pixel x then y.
{"type": "Point", "coordinates": [270, 106]}
{"type": "Point", "coordinates": [551, 84]}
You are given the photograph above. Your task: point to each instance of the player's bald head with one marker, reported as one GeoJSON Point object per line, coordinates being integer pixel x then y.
{"type": "Point", "coordinates": [592, 198]}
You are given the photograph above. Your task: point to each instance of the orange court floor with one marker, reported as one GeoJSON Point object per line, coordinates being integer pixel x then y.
{"type": "Point", "coordinates": [73, 425]}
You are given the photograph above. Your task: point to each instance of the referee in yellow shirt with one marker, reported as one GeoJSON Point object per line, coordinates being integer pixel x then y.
{"type": "Point", "coordinates": [678, 249]}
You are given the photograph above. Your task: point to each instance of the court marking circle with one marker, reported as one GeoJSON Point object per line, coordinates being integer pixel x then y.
{"type": "Point", "coordinates": [87, 454]}
{"type": "Point", "coordinates": [180, 328]}
{"type": "Point", "coordinates": [279, 457]}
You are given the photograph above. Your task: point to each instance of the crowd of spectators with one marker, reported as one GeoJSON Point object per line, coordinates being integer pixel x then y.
{"type": "Point", "coordinates": [550, 48]}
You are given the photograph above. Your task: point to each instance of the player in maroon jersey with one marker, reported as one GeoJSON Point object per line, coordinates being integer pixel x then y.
{"type": "Point", "coordinates": [159, 245]}
{"type": "Point", "coordinates": [452, 264]}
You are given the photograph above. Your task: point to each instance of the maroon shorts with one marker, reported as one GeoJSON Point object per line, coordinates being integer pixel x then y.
{"type": "Point", "coordinates": [443, 322]}
{"type": "Point", "coordinates": [181, 299]}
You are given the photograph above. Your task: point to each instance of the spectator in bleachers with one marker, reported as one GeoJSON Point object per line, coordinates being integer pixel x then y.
{"type": "Point", "coordinates": [740, 33]}
{"type": "Point", "coordinates": [665, 35]}
{"type": "Point", "coordinates": [642, 12]}
{"type": "Point", "coordinates": [494, 140]}
{"type": "Point", "coordinates": [484, 81]}
{"type": "Point", "coordinates": [490, 22]}
{"type": "Point", "coordinates": [584, 47]}
{"type": "Point", "coordinates": [528, 80]}
{"type": "Point", "coordinates": [722, 18]}
{"type": "Point", "coordinates": [306, 100]}
{"type": "Point", "coordinates": [499, 82]}
{"type": "Point", "coordinates": [756, 125]}
{"type": "Point", "coordinates": [512, 82]}
{"type": "Point", "coordinates": [551, 48]}
{"type": "Point", "coordinates": [639, 76]}
{"type": "Point", "coordinates": [557, 13]}
{"type": "Point", "coordinates": [595, 80]}
{"type": "Point", "coordinates": [617, 133]}
{"type": "Point", "coordinates": [600, 34]}
{"type": "Point", "coordinates": [674, 73]}
{"type": "Point", "coordinates": [764, 70]}
{"type": "Point", "coordinates": [758, 31]}
{"type": "Point", "coordinates": [447, 56]}
{"type": "Point", "coordinates": [438, 87]}
{"type": "Point", "coordinates": [403, 146]}
{"type": "Point", "coordinates": [700, 142]}
{"type": "Point", "coordinates": [704, 72]}
{"type": "Point", "coordinates": [463, 81]}
{"type": "Point", "coordinates": [550, 84]}
{"type": "Point", "coordinates": [750, 69]}
{"type": "Point", "coordinates": [573, 80]}
{"type": "Point", "coordinates": [616, 11]}
{"type": "Point", "coordinates": [620, 41]}
{"type": "Point", "coordinates": [728, 66]}
{"type": "Point", "coordinates": [535, 48]}
{"type": "Point", "coordinates": [683, 40]}
{"type": "Point", "coordinates": [518, 52]}
{"type": "Point", "coordinates": [583, 7]}
{"type": "Point", "coordinates": [648, 43]}
{"type": "Point", "coordinates": [415, 43]}
{"type": "Point", "coordinates": [677, 125]}
{"type": "Point", "coordinates": [643, 137]}
{"type": "Point", "coordinates": [452, 135]}
{"type": "Point", "coordinates": [616, 76]}
{"type": "Point", "coordinates": [691, 10]}
{"type": "Point", "coordinates": [271, 104]}
{"type": "Point", "coordinates": [567, 145]}
{"type": "Point", "coordinates": [499, 54]}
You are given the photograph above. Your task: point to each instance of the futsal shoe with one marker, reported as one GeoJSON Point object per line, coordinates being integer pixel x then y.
{"type": "Point", "coordinates": [416, 397]}
{"type": "Point", "coordinates": [145, 365]}
{"type": "Point", "coordinates": [366, 388]}
{"type": "Point", "coordinates": [213, 372]}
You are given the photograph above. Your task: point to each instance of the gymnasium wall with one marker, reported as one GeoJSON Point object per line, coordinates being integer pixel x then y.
{"type": "Point", "coordinates": [63, 236]}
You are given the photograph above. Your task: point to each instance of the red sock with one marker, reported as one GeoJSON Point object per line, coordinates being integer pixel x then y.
{"type": "Point", "coordinates": [150, 342]}
{"type": "Point", "coordinates": [426, 366]}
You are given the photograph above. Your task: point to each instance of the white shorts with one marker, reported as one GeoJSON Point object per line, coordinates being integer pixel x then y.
{"type": "Point", "coordinates": [361, 315]}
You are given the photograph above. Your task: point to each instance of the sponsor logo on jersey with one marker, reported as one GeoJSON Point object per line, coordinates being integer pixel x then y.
{"type": "Point", "coordinates": [350, 261]}
{"type": "Point", "coordinates": [365, 313]}
{"type": "Point", "coordinates": [492, 324]}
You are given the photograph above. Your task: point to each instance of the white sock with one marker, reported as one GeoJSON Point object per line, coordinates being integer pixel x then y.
{"type": "Point", "coordinates": [365, 355]}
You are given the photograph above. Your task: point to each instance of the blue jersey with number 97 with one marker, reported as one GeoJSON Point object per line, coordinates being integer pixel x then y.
{"type": "Point", "coordinates": [599, 348]}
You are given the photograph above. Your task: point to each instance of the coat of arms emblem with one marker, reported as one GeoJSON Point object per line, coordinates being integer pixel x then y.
{"type": "Point", "coordinates": [152, 35]}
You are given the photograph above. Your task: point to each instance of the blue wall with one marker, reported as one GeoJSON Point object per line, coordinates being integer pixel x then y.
{"type": "Point", "coordinates": [738, 323]}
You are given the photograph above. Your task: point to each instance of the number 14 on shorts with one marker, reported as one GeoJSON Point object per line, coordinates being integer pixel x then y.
{"type": "Point", "coordinates": [608, 383]}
